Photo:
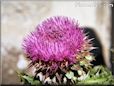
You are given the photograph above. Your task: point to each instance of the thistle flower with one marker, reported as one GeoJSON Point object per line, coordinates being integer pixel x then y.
{"type": "Point", "coordinates": [55, 44]}
{"type": "Point", "coordinates": [56, 39]}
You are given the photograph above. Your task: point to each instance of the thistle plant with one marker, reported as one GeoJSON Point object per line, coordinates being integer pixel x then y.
{"type": "Point", "coordinates": [59, 50]}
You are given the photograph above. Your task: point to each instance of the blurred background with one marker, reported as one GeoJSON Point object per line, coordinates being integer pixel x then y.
{"type": "Point", "coordinates": [19, 18]}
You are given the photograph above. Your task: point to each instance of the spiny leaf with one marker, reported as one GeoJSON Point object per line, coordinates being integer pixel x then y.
{"type": "Point", "coordinates": [27, 79]}
{"type": "Point", "coordinates": [31, 80]}
{"type": "Point", "coordinates": [98, 75]}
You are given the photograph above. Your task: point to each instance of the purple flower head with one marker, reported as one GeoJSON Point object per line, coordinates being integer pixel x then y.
{"type": "Point", "coordinates": [55, 39]}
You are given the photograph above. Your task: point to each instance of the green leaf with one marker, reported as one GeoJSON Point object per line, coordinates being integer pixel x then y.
{"type": "Point", "coordinates": [26, 79]}
{"type": "Point", "coordinates": [31, 80]}
{"type": "Point", "coordinates": [82, 63]}
{"type": "Point", "coordinates": [94, 81]}
{"type": "Point", "coordinates": [80, 72]}
{"type": "Point", "coordinates": [98, 75]}
{"type": "Point", "coordinates": [74, 78]}
{"type": "Point", "coordinates": [89, 57]}
{"type": "Point", "coordinates": [35, 82]}
{"type": "Point", "coordinates": [69, 75]}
